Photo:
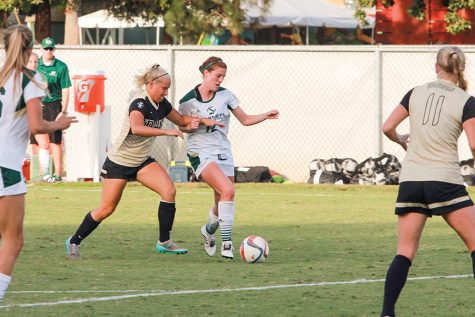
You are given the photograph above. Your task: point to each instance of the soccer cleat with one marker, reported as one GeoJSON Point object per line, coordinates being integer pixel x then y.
{"type": "Point", "coordinates": [72, 249]}
{"type": "Point", "coordinates": [227, 250]}
{"type": "Point", "coordinates": [210, 241]}
{"type": "Point", "coordinates": [170, 247]}
{"type": "Point", "coordinates": [48, 179]}
{"type": "Point", "coordinates": [57, 179]}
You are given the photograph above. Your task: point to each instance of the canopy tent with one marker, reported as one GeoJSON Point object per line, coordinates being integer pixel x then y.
{"type": "Point", "coordinates": [316, 13]}
{"type": "Point", "coordinates": [103, 20]}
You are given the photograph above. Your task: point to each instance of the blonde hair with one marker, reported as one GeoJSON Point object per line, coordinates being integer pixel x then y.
{"type": "Point", "coordinates": [18, 45]}
{"type": "Point", "coordinates": [452, 60]}
{"type": "Point", "coordinates": [151, 74]}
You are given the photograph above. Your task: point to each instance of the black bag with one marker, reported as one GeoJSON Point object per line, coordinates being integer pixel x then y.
{"type": "Point", "coordinates": [467, 170]}
{"type": "Point", "coordinates": [252, 174]}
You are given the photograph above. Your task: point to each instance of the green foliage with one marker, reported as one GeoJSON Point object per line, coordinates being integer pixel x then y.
{"type": "Point", "coordinates": [187, 19]}
{"type": "Point", "coordinates": [456, 23]}
{"type": "Point", "coordinates": [417, 9]}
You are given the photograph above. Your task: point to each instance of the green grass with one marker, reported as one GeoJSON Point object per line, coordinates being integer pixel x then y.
{"type": "Point", "coordinates": [316, 234]}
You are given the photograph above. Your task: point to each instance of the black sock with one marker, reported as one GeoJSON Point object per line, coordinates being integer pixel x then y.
{"type": "Point", "coordinates": [166, 216]}
{"type": "Point", "coordinates": [395, 279]}
{"type": "Point", "coordinates": [87, 226]}
{"type": "Point", "coordinates": [473, 263]}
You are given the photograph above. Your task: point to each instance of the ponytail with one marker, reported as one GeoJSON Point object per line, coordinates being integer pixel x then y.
{"type": "Point", "coordinates": [452, 60]}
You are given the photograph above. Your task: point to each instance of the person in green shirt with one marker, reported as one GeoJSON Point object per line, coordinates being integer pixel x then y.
{"type": "Point", "coordinates": [54, 105]}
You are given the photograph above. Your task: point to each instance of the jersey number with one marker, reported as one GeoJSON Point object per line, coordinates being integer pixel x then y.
{"type": "Point", "coordinates": [2, 92]}
{"type": "Point", "coordinates": [431, 112]}
{"type": "Point", "coordinates": [211, 129]}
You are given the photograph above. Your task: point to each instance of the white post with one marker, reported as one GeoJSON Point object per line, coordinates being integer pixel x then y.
{"type": "Point", "coordinates": [379, 99]}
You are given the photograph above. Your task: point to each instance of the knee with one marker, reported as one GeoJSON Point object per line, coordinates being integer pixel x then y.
{"type": "Point", "coordinates": [227, 193]}
{"type": "Point", "coordinates": [15, 245]}
{"type": "Point", "coordinates": [168, 193]}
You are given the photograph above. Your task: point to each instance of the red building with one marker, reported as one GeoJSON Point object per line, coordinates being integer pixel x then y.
{"type": "Point", "coordinates": [394, 25]}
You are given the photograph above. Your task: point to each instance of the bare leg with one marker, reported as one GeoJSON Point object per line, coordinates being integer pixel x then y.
{"type": "Point", "coordinates": [12, 211]}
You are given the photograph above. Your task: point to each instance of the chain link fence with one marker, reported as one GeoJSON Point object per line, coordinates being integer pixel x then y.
{"type": "Point", "coordinates": [332, 99]}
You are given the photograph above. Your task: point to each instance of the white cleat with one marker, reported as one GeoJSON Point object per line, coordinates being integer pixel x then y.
{"type": "Point", "coordinates": [227, 250]}
{"type": "Point", "coordinates": [210, 241]}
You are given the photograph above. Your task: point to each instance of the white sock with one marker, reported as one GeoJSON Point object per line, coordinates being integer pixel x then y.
{"type": "Point", "coordinates": [226, 219]}
{"type": "Point", "coordinates": [43, 158]}
{"type": "Point", "coordinates": [4, 282]}
{"type": "Point", "coordinates": [213, 222]}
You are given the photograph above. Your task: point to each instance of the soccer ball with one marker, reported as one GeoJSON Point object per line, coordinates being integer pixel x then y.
{"type": "Point", "coordinates": [254, 249]}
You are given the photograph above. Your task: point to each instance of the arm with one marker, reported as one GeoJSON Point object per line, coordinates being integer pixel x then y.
{"type": "Point", "coordinates": [38, 125]}
{"type": "Point", "coordinates": [247, 119]}
{"type": "Point", "coordinates": [188, 123]}
{"type": "Point", "coordinates": [389, 127]}
{"type": "Point", "coordinates": [469, 127]}
{"type": "Point", "coordinates": [138, 127]}
{"type": "Point", "coordinates": [64, 99]}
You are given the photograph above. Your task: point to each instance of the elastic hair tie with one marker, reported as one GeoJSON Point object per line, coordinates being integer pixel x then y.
{"type": "Point", "coordinates": [203, 68]}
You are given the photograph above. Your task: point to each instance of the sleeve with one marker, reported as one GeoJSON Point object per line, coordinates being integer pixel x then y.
{"type": "Point", "coordinates": [468, 109]}
{"type": "Point", "coordinates": [32, 90]}
{"type": "Point", "coordinates": [233, 102]}
{"type": "Point", "coordinates": [405, 100]}
{"type": "Point", "coordinates": [184, 108]}
{"type": "Point", "coordinates": [139, 105]}
{"type": "Point", "coordinates": [166, 106]}
{"type": "Point", "coordinates": [65, 80]}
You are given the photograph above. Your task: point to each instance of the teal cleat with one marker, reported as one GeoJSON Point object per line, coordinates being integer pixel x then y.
{"type": "Point", "coordinates": [72, 249]}
{"type": "Point", "coordinates": [170, 247]}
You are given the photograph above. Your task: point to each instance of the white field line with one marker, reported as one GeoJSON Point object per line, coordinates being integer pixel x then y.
{"type": "Point", "coordinates": [208, 193]}
{"type": "Point", "coordinates": [206, 291]}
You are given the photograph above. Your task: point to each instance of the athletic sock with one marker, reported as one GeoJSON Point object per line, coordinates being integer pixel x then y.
{"type": "Point", "coordinates": [395, 279]}
{"type": "Point", "coordinates": [213, 222]}
{"type": "Point", "coordinates": [473, 263]}
{"type": "Point", "coordinates": [226, 219]}
{"type": "Point", "coordinates": [4, 282]}
{"type": "Point", "coordinates": [166, 216]}
{"type": "Point", "coordinates": [43, 159]}
{"type": "Point", "coordinates": [87, 226]}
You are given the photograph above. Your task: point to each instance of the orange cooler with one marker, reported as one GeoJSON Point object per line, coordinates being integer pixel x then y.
{"type": "Point", "coordinates": [89, 91]}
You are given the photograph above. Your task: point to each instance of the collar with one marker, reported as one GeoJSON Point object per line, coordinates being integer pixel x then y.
{"type": "Point", "coordinates": [40, 62]}
{"type": "Point", "coordinates": [151, 101]}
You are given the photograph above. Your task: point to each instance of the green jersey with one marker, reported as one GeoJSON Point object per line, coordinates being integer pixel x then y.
{"type": "Point", "coordinates": [57, 76]}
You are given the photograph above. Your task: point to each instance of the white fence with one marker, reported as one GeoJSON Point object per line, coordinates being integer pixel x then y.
{"type": "Point", "coordinates": [332, 99]}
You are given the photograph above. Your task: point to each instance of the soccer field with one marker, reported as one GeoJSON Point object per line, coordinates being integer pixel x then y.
{"type": "Point", "coordinates": [329, 250]}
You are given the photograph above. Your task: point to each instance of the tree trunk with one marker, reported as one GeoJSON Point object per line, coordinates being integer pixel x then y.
{"type": "Point", "coordinates": [43, 21]}
{"type": "Point", "coordinates": [71, 27]}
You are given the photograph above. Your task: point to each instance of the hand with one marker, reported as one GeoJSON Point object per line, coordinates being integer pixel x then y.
{"type": "Point", "coordinates": [273, 114]}
{"type": "Point", "coordinates": [211, 123]}
{"type": "Point", "coordinates": [64, 120]}
{"type": "Point", "coordinates": [175, 133]}
{"type": "Point", "coordinates": [195, 122]}
{"type": "Point", "coordinates": [404, 140]}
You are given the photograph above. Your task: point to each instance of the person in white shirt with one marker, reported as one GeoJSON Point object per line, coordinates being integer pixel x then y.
{"type": "Point", "coordinates": [209, 149]}
{"type": "Point", "coordinates": [21, 91]}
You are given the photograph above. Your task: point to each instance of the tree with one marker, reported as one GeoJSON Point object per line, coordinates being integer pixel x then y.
{"type": "Point", "coordinates": [185, 20]}
{"type": "Point", "coordinates": [71, 26]}
{"type": "Point", "coordinates": [455, 23]}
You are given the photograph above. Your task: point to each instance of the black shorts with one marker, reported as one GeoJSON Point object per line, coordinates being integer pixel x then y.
{"type": "Point", "coordinates": [431, 198]}
{"type": "Point", "coordinates": [50, 111]}
{"type": "Point", "coordinates": [111, 170]}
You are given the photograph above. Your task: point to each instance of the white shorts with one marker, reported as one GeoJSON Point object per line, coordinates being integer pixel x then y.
{"type": "Point", "coordinates": [200, 161]}
{"type": "Point", "coordinates": [11, 182]}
